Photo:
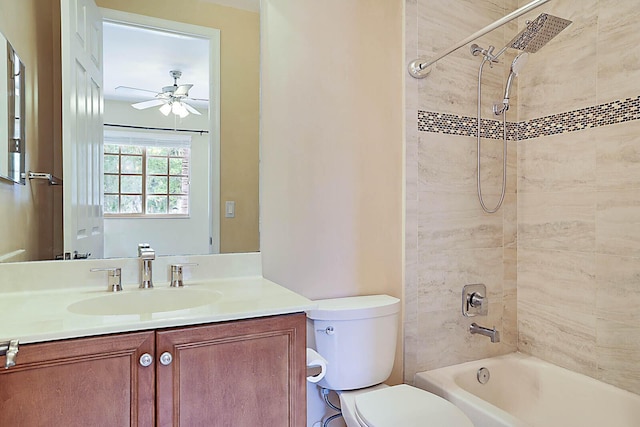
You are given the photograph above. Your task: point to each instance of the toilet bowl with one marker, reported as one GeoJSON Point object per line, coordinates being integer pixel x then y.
{"type": "Point", "coordinates": [400, 405]}
{"type": "Point", "coordinates": [357, 337]}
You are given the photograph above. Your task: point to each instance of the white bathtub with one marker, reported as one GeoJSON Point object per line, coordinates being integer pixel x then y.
{"type": "Point", "coordinates": [526, 391]}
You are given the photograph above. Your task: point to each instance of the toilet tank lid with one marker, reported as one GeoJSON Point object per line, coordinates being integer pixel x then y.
{"type": "Point", "coordinates": [352, 308]}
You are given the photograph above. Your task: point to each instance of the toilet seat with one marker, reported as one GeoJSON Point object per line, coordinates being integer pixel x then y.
{"type": "Point", "coordinates": [407, 406]}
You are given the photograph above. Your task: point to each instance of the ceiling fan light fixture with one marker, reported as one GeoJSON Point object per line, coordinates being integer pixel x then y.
{"type": "Point", "coordinates": [179, 110]}
{"type": "Point", "coordinates": [165, 109]}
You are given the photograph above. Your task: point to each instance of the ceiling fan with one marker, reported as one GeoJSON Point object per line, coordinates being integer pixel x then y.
{"type": "Point", "coordinates": [172, 99]}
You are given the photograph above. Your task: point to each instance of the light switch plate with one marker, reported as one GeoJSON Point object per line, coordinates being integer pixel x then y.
{"type": "Point", "coordinates": [230, 209]}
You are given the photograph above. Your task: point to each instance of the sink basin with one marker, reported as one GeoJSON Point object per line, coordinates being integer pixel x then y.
{"type": "Point", "coordinates": [140, 301]}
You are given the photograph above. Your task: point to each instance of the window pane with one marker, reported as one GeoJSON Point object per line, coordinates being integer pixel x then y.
{"type": "Point", "coordinates": [157, 185]}
{"type": "Point", "coordinates": [157, 204]}
{"type": "Point", "coordinates": [111, 148]}
{"type": "Point", "coordinates": [178, 205]}
{"type": "Point", "coordinates": [111, 164]}
{"type": "Point", "coordinates": [131, 184]}
{"type": "Point", "coordinates": [179, 151]}
{"type": "Point", "coordinates": [131, 164]}
{"type": "Point", "coordinates": [131, 149]}
{"type": "Point", "coordinates": [178, 185]}
{"type": "Point", "coordinates": [157, 165]}
{"type": "Point", "coordinates": [131, 204]}
{"type": "Point", "coordinates": [111, 184]}
{"type": "Point", "coordinates": [178, 167]}
{"type": "Point", "coordinates": [158, 151]}
{"type": "Point", "coordinates": [110, 204]}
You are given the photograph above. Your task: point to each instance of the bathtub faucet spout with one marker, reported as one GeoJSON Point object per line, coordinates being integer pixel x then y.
{"type": "Point", "coordinates": [491, 333]}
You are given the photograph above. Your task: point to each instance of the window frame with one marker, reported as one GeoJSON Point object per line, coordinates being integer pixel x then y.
{"type": "Point", "coordinates": [146, 141]}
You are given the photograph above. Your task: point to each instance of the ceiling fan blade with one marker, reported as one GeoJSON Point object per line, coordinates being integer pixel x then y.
{"type": "Point", "coordinates": [197, 99]}
{"type": "Point", "coordinates": [148, 104]}
{"type": "Point", "coordinates": [134, 91]}
{"type": "Point", "coordinates": [182, 90]}
{"type": "Point", "coordinates": [191, 109]}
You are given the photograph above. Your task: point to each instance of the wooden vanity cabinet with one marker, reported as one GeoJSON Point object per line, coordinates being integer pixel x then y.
{"type": "Point", "coordinates": [94, 381]}
{"type": "Point", "coordinates": [239, 373]}
{"type": "Point", "coordinates": [247, 373]}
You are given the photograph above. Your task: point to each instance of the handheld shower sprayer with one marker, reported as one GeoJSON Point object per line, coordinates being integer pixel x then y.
{"type": "Point", "coordinates": [516, 66]}
{"type": "Point", "coordinates": [536, 34]}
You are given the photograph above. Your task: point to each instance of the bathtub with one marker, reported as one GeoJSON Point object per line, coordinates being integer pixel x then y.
{"type": "Point", "coordinates": [525, 391]}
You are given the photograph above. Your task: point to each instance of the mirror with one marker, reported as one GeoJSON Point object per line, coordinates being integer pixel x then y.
{"type": "Point", "coordinates": [38, 234]}
{"type": "Point", "coordinates": [12, 109]}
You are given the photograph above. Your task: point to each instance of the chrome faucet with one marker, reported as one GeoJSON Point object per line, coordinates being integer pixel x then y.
{"type": "Point", "coordinates": [491, 333]}
{"type": "Point", "coordinates": [146, 255]}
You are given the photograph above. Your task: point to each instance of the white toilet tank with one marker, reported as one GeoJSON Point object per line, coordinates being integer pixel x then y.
{"type": "Point", "coordinates": [357, 336]}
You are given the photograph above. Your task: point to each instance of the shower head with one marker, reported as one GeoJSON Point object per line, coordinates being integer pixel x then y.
{"type": "Point", "coordinates": [538, 33]}
{"type": "Point", "coordinates": [516, 66]}
{"type": "Point", "coordinates": [519, 62]}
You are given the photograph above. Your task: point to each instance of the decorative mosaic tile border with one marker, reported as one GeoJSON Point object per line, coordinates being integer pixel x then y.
{"type": "Point", "coordinates": [609, 113]}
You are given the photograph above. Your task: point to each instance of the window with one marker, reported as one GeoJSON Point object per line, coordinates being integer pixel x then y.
{"type": "Point", "coordinates": [146, 175]}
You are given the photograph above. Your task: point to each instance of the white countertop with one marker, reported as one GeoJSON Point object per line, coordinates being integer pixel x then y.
{"type": "Point", "coordinates": [44, 315]}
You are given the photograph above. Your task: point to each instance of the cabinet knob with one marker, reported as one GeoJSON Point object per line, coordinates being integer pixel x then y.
{"type": "Point", "coordinates": [166, 358]}
{"type": "Point", "coordinates": [146, 360]}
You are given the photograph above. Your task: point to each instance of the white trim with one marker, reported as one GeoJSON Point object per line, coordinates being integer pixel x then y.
{"type": "Point", "coordinates": [161, 138]}
{"type": "Point", "coordinates": [214, 100]}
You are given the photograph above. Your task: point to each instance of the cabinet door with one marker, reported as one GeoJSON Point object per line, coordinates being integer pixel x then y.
{"type": "Point", "coordinates": [81, 382]}
{"type": "Point", "coordinates": [246, 373]}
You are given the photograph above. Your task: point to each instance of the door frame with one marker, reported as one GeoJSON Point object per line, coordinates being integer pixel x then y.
{"type": "Point", "coordinates": [213, 35]}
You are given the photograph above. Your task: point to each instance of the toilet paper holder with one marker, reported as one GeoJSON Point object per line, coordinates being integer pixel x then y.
{"type": "Point", "coordinates": [316, 366]}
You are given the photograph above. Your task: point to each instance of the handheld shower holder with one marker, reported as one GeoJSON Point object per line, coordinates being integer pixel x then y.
{"type": "Point", "coordinates": [499, 108]}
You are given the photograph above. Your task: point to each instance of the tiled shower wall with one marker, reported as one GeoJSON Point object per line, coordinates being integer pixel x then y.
{"type": "Point", "coordinates": [579, 196]}
{"type": "Point", "coordinates": [450, 241]}
{"type": "Point", "coordinates": [574, 267]}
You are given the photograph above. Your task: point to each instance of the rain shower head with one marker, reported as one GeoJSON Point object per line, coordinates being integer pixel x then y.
{"type": "Point", "coordinates": [538, 33]}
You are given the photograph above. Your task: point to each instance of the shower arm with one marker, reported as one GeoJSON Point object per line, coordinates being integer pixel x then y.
{"type": "Point", "coordinates": [421, 67]}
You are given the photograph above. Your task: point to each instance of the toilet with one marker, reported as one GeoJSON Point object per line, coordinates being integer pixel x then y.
{"type": "Point", "coordinates": [357, 337]}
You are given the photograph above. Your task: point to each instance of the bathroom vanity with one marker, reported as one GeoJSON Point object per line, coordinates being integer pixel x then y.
{"type": "Point", "coordinates": [237, 357]}
{"type": "Point", "coordinates": [239, 373]}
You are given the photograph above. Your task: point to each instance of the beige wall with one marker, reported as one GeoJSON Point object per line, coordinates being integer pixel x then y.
{"type": "Point", "coordinates": [239, 104]}
{"type": "Point", "coordinates": [331, 147]}
{"type": "Point", "coordinates": [579, 199]}
{"type": "Point", "coordinates": [26, 212]}
{"type": "Point", "coordinates": [450, 241]}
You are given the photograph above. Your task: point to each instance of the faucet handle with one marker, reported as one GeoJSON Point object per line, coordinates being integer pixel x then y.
{"type": "Point", "coordinates": [114, 277]}
{"type": "Point", "coordinates": [474, 300]}
{"type": "Point", "coordinates": [145, 251]}
{"type": "Point", "coordinates": [176, 274]}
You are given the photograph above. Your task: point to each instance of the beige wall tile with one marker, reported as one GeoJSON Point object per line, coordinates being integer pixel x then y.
{"type": "Point", "coordinates": [443, 274]}
{"type": "Point", "coordinates": [560, 336]}
{"type": "Point", "coordinates": [509, 332]}
{"type": "Point", "coordinates": [618, 156]}
{"type": "Point", "coordinates": [618, 350]}
{"type": "Point", "coordinates": [446, 163]}
{"type": "Point", "coordinates": [445, 339]}
{"type": "Point", "coordinates": [618, 293]}
{"type": "Point", "coordinates": [510, 221]}
{"type": "Point", "coordinates": [618, 223]}
{"type": "Point", "coordinates": [617, 46]}
{"type": "Point", "coordinates": [451, 87]}
{"type": "Point", "coordinates": [564, 162]}
{"type": "Point", "coordinates": [456, 221]}
{"type": "Point", "coordinates": [558, 279]}
{"type": "Point", "coordinates": [563, 221]}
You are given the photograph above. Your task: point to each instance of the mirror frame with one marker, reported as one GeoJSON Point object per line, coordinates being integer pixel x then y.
{"type": "Point", "coordinates": [16, 142]}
